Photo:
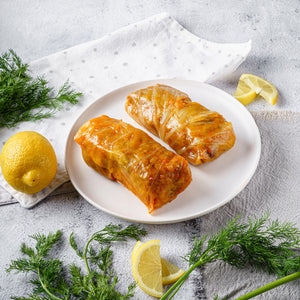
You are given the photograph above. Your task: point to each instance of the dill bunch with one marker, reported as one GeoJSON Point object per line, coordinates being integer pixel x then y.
{"type": "Point", "coordinates": [260, 243]}
{"type": "Point", "coordinates": [24, 98]}
{"type": "Point", "coordinates": [55, 281]}
{"type": "Point", "coordinates": [263, 244]}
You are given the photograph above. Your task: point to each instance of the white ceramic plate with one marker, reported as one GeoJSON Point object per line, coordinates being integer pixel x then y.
{"type": "Point", "coordinates": [214, 183]}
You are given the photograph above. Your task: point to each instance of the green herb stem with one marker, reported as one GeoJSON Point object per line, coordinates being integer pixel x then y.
{"type": "Point", "coordinates": [85, 257]}
{"type": "Point", "coordinates": [181, 280]}
{"type": "Point", "coordinates": [45, 287]}
{"type": "Point", "coordinates": [177, 288]}
{"type": "Point", "coordinates": [270, 286]}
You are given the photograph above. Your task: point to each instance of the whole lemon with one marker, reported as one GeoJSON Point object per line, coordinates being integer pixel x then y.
{"type": "Point", "coordinates": [28, 162]}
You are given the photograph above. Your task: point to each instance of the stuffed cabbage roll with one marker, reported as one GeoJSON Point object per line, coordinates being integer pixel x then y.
{"type": "Point", "coordinates": [194, 132]}
{"type": "Point", "coordinates": [128, 155]}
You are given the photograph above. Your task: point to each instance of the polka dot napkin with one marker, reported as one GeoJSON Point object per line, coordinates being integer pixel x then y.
{"type": "Point", "coordinates": [155, 48]}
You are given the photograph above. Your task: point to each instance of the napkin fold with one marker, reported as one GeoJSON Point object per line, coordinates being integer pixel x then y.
{"type": "Point", "coordinates": [155, 48]}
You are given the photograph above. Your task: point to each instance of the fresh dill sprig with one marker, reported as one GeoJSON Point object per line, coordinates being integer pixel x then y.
{"type": "Point", "coordinates": [101, 285]}
{"type": "Point", "coordinates": [50, 281]}
{"type": "Point", "coordinates": [54, 281]}
{"type": "Point", "coordinates": [261, 243]}
{"type": "Point", "coordinates": [24, 98]}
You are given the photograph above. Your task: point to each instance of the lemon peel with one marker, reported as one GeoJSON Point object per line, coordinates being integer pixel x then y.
{"type": "Point", "coordinates": [28, 162]}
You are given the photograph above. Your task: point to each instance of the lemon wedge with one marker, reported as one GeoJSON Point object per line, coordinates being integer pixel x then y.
{"type": "Point", "coordinates": [250, 86]}
{"type": "Point", "coordinates": [146, 268]}
{"type": "Point", "coordinates": [170, 272]}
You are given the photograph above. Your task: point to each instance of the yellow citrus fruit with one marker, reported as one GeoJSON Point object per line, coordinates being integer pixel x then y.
{"type": "Point", "coordinates": [146, 268]}
{"type": "Point", "coordinates": [170, 272]}
{"type": "Point", "coordinates": [250, 86]}
{"type": "Point", "coordinates": [28, 162]}
{"type": "Point", "coordinates": [137, 245]}
{"type": "Point", "coordinates": [244, 93]}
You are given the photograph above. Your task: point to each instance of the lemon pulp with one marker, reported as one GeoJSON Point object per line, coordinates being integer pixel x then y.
{"type": "Point", "coordinates": [168, 272]}
{"type": "Point", "coordinates": [146, 268]}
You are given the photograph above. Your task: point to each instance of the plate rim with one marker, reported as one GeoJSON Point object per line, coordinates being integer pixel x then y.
{"type": "Point", "coordinates": [164, 81]}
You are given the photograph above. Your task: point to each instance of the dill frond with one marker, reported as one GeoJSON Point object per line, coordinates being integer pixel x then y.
{"type": "Point", "coordinates": [260, 243]}
{"type": "Point", "coordinates": [54, 281]}
{"type": "Point", "coordinates": [24, 98]}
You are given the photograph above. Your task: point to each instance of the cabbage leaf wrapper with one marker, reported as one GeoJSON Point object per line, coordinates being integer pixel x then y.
{"type": "Point", "coordinates": [193, 131]}
{"type": "Point", "coordinates": [130, 156]}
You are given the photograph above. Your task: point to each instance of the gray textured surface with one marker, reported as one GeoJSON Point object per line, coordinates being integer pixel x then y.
{"type": "Point", "coordinates": [275, 187]}
{"type": "Point", "coordinates": [38, 28]}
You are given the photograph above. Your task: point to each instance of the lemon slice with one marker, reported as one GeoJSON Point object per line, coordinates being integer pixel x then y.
{"type": "Point", "coordinates": [137, 245]}
{"type": "Point", "coordinates": [170, 272]}
{"type": "Point", "coordinates": [146, 268]}
{"type": "Point", "coordinates": [250, 86]}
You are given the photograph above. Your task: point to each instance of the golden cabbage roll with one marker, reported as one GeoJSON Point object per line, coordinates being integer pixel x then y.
{"type": "Point", "coordinates": [194, 132]}
{"type": "Point", "coordinates": [128, 155]}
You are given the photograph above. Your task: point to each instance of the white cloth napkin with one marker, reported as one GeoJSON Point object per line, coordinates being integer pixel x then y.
{"type": "Point", "coordinates": [157, 47]}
